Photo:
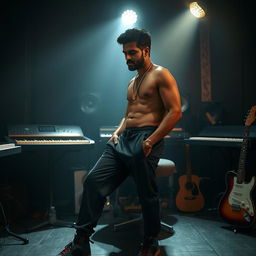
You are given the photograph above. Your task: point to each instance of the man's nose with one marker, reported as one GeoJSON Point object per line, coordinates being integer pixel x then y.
{"type": "Point", "coordinates": [127, 57]}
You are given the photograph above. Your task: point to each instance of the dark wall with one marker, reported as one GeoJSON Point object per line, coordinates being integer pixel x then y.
{"type": "Point", "coordinates": [233, 59]}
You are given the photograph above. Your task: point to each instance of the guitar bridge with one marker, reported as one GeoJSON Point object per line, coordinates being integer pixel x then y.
{"type": "Point", "coordinates": [189, 198]}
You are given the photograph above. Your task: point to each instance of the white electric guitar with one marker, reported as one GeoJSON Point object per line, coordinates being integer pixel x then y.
{"type": "Point", "coordinates": [237, 206]}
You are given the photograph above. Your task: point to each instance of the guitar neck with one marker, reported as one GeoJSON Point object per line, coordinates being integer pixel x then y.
{"type": "Point", "coordinates": [243, 155]}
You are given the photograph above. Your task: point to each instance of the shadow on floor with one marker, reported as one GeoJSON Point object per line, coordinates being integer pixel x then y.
{"type": "Point", "coordinates": [127, 240]}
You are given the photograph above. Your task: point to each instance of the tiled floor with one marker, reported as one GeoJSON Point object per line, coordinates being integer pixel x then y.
{"type": "Point", "coordinates": [201, 235]}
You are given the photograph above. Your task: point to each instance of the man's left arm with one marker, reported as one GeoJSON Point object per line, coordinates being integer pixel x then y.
{"type": "Point", "coordinates": [170, 96]}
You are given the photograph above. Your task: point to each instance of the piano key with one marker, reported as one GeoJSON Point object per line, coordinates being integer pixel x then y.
{"type": "Point", "coordinates": [214, 141]}
{"type": "Point", "coordinates": [65, 141]}
{"type": "Point", "coordinates": [217, 139]}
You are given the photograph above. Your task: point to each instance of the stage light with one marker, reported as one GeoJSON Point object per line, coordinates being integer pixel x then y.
{"type": "Point", "coordinates": [129, 17]}
{"type": "Point", "coordinates": [197, 10]}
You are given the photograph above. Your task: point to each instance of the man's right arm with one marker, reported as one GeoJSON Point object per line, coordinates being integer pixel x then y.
{"type": "Point", "coordinates": [118, 131]}
{"type": "Point", "coordinates": [121, 127]}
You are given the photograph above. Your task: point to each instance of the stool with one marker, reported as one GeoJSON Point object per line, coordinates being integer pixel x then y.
{"type": "Point", "coordinates": [165, 168]}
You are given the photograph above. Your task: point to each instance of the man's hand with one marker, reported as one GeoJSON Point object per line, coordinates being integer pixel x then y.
{"type": "Point", "coordinates": [147, 147]}
{"type": "Point", "coordinates": [114, 138]}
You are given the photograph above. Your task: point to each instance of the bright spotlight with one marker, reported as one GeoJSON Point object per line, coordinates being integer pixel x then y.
{"type": "Point", "coordinates": [196, 10]}
{"type": "Point", "coordinates": [129, 17]}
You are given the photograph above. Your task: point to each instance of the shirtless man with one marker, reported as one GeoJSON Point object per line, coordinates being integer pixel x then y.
{"type": "Point", "coordinates": [135, 147]}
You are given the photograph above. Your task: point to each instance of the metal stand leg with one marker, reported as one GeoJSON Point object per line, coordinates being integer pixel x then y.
{"type": "Point", "coordinates": [7, 229]}
{"type": "Point", "coordinates": [53, 221]}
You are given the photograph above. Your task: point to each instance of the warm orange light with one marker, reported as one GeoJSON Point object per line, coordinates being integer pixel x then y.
{"type": "Point", "coordinates": [196, 10]}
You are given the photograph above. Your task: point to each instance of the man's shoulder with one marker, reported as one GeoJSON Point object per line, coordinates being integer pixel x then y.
{"type": "Point", "coordinates": [163, 75]}
{"type": "Point", "coordinates": [160, 70]}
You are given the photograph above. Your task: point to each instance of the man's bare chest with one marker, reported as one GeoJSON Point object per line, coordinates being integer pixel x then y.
{"type": "Point", "coordinates": [147, 89]}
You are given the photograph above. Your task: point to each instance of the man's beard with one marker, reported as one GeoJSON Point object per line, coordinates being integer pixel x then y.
{"type": "Point", "coordinates": [136, 65]}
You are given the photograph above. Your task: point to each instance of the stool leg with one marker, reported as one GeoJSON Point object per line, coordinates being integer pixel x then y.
{"type": "Point", "coordinates": [117, 226]}
{"type": "Point", "coordinates": [167, 228]}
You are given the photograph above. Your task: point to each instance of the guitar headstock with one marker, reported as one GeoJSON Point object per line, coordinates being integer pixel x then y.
{"type": "Point", "coordinates": [251, 116]}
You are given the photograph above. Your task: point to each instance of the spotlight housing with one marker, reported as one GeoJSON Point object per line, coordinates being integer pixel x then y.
{"type": "Point", "coordinates": [129, 17]}
{"type": "Point", "coordinates": [197, 10]}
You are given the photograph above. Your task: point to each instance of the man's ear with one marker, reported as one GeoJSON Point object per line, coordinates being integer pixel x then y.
{"type": "Point", "coordinates": [146, 51]}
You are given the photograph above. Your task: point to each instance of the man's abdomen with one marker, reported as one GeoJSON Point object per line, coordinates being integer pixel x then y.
{"type": "Point", "coordinates": [140, 120]}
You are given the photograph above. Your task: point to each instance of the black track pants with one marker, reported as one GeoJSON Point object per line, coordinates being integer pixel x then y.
{"type": "Point", "coordinates": [116, 163]}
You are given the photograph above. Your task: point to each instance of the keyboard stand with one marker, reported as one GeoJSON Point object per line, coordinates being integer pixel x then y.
{"type": "Point", "coordinates": [52, 221]}
{"type": "Point", "coordinates": [7, 229]}
{"type": "Point", "coordinates": [52, 215]}
{"type": "Point", "coordinates": [38, 136]}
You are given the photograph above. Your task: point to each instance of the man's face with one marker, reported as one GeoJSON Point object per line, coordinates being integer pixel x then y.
{"type": "Point", "coordinates": [133, 55]}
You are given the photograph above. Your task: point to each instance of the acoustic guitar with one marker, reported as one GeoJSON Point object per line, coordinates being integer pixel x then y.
{"type": "Point", "coordinates": [189, 197]}
{"type": "Point", "coordinates": [237, 206]}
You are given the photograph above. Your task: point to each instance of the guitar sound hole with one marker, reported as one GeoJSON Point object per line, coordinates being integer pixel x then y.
{"type": "Point", "coordinates": [193, 188]}
{"type": "Point", "coordinates": [189, 185]}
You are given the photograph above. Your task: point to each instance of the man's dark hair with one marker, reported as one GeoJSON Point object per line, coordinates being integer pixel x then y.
{"type": "Point", "coordinates": [140, 36]}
